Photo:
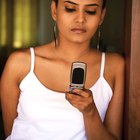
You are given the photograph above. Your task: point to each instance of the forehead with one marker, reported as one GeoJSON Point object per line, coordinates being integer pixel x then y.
{"type": "Point", "coordinates": [84, 2]}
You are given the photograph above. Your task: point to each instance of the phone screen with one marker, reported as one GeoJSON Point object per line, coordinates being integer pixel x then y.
{"type": "Point", "coordinates": [78, 76]}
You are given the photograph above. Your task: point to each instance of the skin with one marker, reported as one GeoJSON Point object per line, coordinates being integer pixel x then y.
{"type": "Point", "coordinates": [75, 31]}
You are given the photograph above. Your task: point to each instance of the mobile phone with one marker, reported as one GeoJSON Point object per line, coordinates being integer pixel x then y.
{"type": "Point", "coordinates": [78, 75]}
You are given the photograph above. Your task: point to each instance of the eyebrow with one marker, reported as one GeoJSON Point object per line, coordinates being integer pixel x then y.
{"type": "Point", "coordinates": [93, 4]}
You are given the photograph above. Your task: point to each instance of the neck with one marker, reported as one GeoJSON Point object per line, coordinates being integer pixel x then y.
{"type": "Point", "coordinates": [73, 51]}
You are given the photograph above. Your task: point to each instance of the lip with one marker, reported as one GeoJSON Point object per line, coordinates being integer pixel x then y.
{"type": "Point", "coordinates": [78, 30]}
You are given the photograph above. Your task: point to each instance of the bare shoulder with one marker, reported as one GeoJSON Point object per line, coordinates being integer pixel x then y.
{"type": "Point", "coordinates": [18, 63]}
{"type": "Point", "coordinates": [115, 61]}
{"type": "Point", "coordinates": [18, 57]}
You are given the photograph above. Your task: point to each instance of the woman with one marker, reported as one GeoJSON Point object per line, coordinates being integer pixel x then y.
{"type": "Point", "coordinates": [36, 101]}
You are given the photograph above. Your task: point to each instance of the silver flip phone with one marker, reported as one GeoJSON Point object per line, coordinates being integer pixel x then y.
{"type": "Point", "coordinates": [78, 75]}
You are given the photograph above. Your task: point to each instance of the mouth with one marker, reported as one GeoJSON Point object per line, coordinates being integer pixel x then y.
{"type": "Point", "coordinates": [78, 30]}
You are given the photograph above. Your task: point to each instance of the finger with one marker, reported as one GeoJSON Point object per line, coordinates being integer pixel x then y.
{"type": "Point", "coordinates": [73, 96]}
{"type": "Point", "coordinates": [85, 93]}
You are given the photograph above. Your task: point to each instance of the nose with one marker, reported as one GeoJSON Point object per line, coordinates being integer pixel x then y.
{"type": "Point", "coordinates": [80, 17]}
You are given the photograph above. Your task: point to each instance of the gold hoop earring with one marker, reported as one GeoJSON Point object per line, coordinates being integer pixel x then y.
{"type": "Point", "coordinates": [99, 36]}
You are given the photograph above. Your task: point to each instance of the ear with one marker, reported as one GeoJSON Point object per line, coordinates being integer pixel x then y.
{"type": "Point", "coordinates": [53, 10]}
{"type": "Point", "coordinates": [102, 16]}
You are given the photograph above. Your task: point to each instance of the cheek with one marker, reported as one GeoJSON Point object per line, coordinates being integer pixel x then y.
{"type": "Point", "coordinates": [63, 22]}
{"type": "Point", "coordinates": [93, 24]}
{"type": "Point", "coordinates": [92, 28]}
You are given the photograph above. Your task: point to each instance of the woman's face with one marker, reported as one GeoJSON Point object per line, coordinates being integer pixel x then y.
{"type": "Point", "coordinates": [78, 20]}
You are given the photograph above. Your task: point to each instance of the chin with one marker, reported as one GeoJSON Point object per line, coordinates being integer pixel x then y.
{"type": "Point", "coordinates": [81, 38]}
{"type": "Point", "coordinates": [80, 41]}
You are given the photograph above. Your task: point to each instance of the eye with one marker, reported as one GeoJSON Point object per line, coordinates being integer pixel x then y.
{"type": "Point", "coordinates": [90, 12]}
{"type": "Point", "coordinates": [70, 10]}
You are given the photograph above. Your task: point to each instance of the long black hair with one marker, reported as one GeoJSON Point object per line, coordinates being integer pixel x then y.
{"type": "Point", "coordinates": [104, 3]}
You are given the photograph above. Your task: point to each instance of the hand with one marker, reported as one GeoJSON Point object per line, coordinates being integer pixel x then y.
{"type": "Point", "coordinates": [82, 100]}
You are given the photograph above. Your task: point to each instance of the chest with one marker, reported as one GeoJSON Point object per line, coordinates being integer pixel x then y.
{"type": "Point", "coordinates": [56, 76]}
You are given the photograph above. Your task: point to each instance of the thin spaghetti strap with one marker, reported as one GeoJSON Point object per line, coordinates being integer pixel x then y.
{"type": "Point", "coordinates": [32, 59]}
{"type": "Point", "coordinates": [102, 64]}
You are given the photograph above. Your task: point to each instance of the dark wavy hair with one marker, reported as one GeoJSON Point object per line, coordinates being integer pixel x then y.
{"type": "Point", "coordinates": [104, 3]}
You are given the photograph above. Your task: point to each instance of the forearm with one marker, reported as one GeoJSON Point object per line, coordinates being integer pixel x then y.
{"type": "Point", "coordinates": [95, 129]}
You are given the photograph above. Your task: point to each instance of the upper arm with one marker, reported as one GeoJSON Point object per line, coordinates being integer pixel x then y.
{"type": "Point", "coordinates": [114, 116]}
{"type": "Point", "coordinates": [10, 90]}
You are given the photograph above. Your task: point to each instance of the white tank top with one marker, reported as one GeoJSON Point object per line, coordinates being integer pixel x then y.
{"type": "Point", "coordinates": [44, 114]}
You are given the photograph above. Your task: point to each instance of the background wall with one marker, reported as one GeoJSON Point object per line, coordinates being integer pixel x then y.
{"type": "Point", "coordinates": [132, 57]}
{"type": "Point", "coordinates": [113, 26]}
{"type": "Point", "coordinates": [45, 22]}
